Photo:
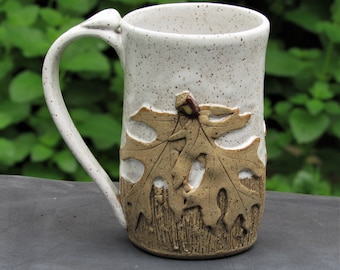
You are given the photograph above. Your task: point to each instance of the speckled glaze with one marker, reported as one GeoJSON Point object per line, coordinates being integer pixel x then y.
{"type": "Point", "coordinates": [214, 51]}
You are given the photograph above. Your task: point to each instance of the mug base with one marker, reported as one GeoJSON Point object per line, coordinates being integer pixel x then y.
{"type": "Point", "coordinates": [193, 256]}
{"type": "Point", "coordinates": [188, 237]}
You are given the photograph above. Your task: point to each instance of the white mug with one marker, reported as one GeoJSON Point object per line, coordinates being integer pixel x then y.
{"type": "Point", "coordinates": [193, 156]}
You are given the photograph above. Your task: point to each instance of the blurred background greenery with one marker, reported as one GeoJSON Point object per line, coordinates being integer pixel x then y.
{"type": "Point", "coordinates": [302, 91]}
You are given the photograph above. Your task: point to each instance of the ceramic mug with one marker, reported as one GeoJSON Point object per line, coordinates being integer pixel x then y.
{"type": "Point", "coordinates": [193, 156]}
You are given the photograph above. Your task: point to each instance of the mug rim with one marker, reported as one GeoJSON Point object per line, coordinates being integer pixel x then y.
{"type": "Point", "coordinates": [262, 27]}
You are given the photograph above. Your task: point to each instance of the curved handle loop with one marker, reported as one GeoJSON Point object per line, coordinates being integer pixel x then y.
{"type": "Point", "coordinates": [104, 25]}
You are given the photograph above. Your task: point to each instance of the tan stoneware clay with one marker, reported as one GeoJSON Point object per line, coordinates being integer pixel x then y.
{"type": "Point", "coordinates": [193, 153]}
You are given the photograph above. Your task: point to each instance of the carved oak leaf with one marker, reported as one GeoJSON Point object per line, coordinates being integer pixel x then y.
{"type": "Point", "coordinates": [222, 166]}
{"type": "Point", "coordinates": [157, 157]}
{"type": "Point", "coordinates": [182, 140]}
{"type": "Point", "coordinates": [222, 169]}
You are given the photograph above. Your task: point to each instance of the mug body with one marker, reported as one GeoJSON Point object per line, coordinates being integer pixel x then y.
{"type": "Point", "coordinates": [193, 151]}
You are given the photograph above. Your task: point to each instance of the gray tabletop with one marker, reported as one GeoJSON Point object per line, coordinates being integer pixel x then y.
{"type": "Point", "coordinates": [48, 224]}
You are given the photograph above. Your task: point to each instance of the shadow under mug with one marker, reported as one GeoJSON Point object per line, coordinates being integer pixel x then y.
{"type": "Point", "coordinates": [193, 156]}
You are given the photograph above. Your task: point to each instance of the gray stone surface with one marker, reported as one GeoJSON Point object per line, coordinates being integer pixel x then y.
{"type": "Point", "coordinates": [48, 224]}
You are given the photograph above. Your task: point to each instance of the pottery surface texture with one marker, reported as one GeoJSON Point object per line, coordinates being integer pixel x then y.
{"type": "Point", "coordinates": [193, 153]}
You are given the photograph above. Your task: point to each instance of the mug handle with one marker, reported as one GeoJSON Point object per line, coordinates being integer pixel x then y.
{"type": "Point", "coordinates": [104, 25]}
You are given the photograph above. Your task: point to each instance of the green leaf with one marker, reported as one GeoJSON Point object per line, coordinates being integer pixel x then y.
{"type": "Point", "coordinates": [41, 152]}
{"type": "Point", "coordinates": [77, 6]}
{"type": "Point", "coordinates": [282, 63]}
{"type": "Point", "coordinates": [81, 176]}
{"type": "Point", "coordinates": [66, 161]}
{"type": "Point", "coordinates": [321, 90]}
{"type": "Point", "coordinates": [50, 138]}
{"type": "Point", "coordinates": [31, 41]}
{"type": "Point", "coordinates": [335, 128]}
{"type": "Point", "coordinates": [315, 106]}
{"type": "Point", "coordinates": [279, 183]}
{"type": "Point", "coordinates": [299, 99]}
{"type": "Point", "coordinates": [102, 129]}
{"type": "Point", "coordinates": [5, 120]}
{"type": "Point", "coordinates": [4, 37]}
{"type": "Point", "coordinates": [332, 31]}
{"type": "Point", "coordinates": [322, 188]}
{"type": "Point", "coordinates": [41, 121]}
{"type": "Point", "coordinates": [332, 107]}
{"type": "Point", "coordinates": [267, 108]}
{"type": "Point", "coordinates": [69, 22]}
{"type": "Point", "coordinates": [336, 72]}
{"type": "Point", "coordinates": [7, 152]}
{"type": "Point", "coordinates": [276, 142]}
{"type": "Point", "coordinates": [82, 47]}
{"type": "Point", "coordinates": [23, 146]}
{"type": "Point", "coordinates": [92, 61]}
{"type": "Point", "coordinates": [23, 16]}
{"type": "Point", "coordinates": [26, 87]}
{"type": "Point", "coordinates": [335, 9]}
{"type": "Point", "coordinates": [14, 111]}
{"type": "Point", "coordinates": [282, 108]}
{"type": "Point", "coordinates": [308, 54]}
{"type": "Point", "coordinates": [306, 127]}
{"type": "Point", "coordinates": [79, 115]}
{"type": "Point", "coordinates": [8, 6]}
{"type": "Point", "coordinates": [6, 66]}
{"type": "Point", "coordinates": [51, 16]}
{"type": "Point", "coordinates": [309, 181]}
{"type": "Point", "coordinates": [304, 17]}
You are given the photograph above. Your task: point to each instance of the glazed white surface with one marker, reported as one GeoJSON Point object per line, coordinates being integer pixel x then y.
{"type": "Point", "coordinates": [225, 68]}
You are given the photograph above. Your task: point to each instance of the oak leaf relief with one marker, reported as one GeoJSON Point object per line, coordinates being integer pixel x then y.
{"type": "Point", "coordinates": [188, 138]}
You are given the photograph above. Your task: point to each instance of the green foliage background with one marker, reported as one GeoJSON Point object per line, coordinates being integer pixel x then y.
{"type": "Point", "coordinates": [302, 91]}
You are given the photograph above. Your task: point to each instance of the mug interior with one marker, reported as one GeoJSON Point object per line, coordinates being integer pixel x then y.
{"type": "Point", "coordinates": [195, 19]}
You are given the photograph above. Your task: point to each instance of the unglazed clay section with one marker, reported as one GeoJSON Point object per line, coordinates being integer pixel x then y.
{"type": "Point", "coordinates": [188, 237]}
{"type": "Point", "coordinates": [202, 19]}
{"type": "Point", "coordinates": [192, 191]}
